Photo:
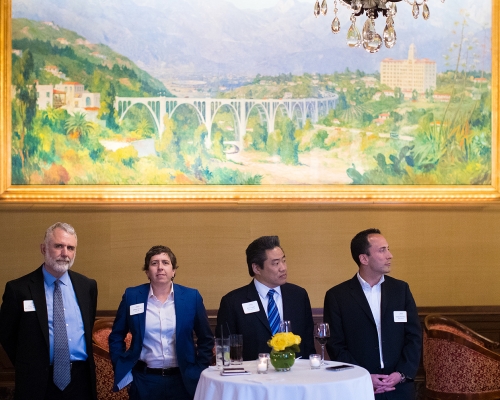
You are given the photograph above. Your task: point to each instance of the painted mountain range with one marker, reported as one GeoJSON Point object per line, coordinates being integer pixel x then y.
{"type": "Point", "coordinates": [180, 38]}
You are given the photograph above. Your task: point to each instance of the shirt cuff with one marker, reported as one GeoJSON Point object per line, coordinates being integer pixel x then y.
{"type": "Point", "coordinates": [125, 381]}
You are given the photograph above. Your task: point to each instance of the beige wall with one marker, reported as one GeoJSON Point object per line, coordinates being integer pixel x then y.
{"type": "Point", "coordinates": [449, 254]}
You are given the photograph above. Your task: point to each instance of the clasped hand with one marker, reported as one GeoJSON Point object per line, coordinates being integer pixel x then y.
{"type": "Point", "coordinates": [385, 383]}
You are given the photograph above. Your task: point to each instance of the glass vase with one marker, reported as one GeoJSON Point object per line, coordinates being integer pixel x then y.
{"type": "Point", "coordinates": [282, 360]}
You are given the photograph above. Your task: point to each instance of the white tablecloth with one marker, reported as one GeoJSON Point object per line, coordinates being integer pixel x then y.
{"type": "Point", "coordinates": [301, 383]}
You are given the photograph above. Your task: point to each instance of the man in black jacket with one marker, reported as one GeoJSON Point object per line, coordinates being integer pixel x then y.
{"type": "Point", "coordinates": [374, 321]}
{"type": "Point", "coordinates": [27, 324]}
{"type": "Point", "coordinates": [245, 310]}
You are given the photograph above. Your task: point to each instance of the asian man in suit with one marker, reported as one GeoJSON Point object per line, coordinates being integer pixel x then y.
{"type": "Point", "coordinates": [29, 320]}
{"type": "Point", "coordinates": [374, 321]}
{"type": "Point", "coordinates": [246, 310]}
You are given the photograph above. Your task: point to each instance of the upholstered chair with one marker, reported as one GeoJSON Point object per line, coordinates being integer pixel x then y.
{"type": "Point", "coordinates": [459, 363]}
{"type": "Point", "coordinates": [104, 369]}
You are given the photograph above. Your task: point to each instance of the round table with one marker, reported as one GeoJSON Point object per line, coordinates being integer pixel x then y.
{"type": "Point", "coordinates": [300, 383]}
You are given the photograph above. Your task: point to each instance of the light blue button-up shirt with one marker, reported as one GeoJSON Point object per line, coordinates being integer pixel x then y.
{"type": "Point", "coordinates": [72, 315]}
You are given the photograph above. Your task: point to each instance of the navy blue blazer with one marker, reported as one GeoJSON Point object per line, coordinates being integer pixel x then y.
{"type": "Point", "coordinates": [190, 316]}
{"type": "Point", "coordinates": [255, 326]}
{"type": "Point", "coordinates": [354, 337]}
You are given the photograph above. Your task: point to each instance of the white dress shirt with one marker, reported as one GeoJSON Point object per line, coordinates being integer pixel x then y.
{"type": "Point", "coordinates": [374, 296]}
{"type": "Point", "coordinates": [158, 347]}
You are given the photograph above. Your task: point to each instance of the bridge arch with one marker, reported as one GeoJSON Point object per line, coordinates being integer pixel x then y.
{"type": "Point", "coordinates": [298, 114]}
{"type": "Point", "coordinates": [237, 123]}
{"type": "Point", "coordinates": [282, 109]}
{"type": "Point", "coordinates": [206, 108]}
{"type": "Point", "coordinates": [125, 107]}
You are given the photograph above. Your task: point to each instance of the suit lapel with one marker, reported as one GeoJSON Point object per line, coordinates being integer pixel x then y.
{"type": "Point", "coordinates": [142, 297]}
{"type": "Point", "coordinates": [288, 305]}
{"type": "Point", "coordinates": [360, 298]}
{"type": "Point", "coordinates": [37, 290]}
{"type": "Point", "coordinates": [385, 297]}
{"type": "Point", "coordinates": [253, 295]}
{"type": "Point", "coordinates": [178, 305]}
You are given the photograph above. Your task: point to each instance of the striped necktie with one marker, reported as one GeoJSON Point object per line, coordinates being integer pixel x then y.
{"type": "Point", "coordinates": [62, 366]}
{"type": "Point", "coordinates": [272, 312]}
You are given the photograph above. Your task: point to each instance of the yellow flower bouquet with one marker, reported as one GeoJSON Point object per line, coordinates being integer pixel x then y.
{"type": "Point", "coordinates": [284, 345]}
{"type": "Point", "coordinates": [282, 340]}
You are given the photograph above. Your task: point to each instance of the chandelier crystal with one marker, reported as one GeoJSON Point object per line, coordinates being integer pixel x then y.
{"type": "Point", "coordinates": [369, 38]}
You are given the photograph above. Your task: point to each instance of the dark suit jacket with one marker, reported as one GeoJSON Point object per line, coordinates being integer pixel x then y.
{"type": "Point", "coordinates": [25, 335]}
{"type": "Point", "coordinates": [354, 337]}
{"type": "Point", "coordinates": [190, 315]}
{"type": "Point", "coordinates": [255, 327]}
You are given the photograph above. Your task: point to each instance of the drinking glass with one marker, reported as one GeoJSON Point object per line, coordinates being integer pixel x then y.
{"type": "Point", "coordinates": [321, 334]}
{"type": "Point", "coordinates": [222, 352]}
{"type": "Point", "coordinates": [285, 326]}
{"type": "Point", "coordinates": [236, 349]}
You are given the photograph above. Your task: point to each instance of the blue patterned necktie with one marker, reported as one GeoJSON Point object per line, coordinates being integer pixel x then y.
{"type": "Point", "coordinates": [62, 366]}
{"type": "Point", "coordinates": [272, 313]}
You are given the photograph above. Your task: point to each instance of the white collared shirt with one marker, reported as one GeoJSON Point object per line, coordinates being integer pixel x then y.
{"type": "Point", "coordinates": [158, 347]}
{"type": "Point", "coordinates": [374, 297]}
{"type": "Point", "coordinates": [278, 299]}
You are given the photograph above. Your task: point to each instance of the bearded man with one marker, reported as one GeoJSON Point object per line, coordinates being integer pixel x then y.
{"type": "Point", "coordinates": [46, 322]}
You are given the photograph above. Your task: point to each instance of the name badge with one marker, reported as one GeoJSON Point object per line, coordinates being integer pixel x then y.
{"type": "Point", "coordinates": [137, 309]}
{"type": "Point", "coordinates": [29, 305]}
{"type": "Point", "coordinates": [251, 307]}
{"type": "Point", "coordinates": [400, 316]}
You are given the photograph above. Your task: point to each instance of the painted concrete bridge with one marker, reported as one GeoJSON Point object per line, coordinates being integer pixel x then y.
{"type": "Point", "coordinates": [299, 110]}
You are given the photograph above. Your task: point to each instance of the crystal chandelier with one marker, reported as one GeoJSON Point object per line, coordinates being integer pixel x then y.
{"type": "Point", "coordinates": [369, 38]}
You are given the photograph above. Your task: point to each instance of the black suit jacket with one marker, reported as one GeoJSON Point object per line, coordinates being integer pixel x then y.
{"type": "Point", "coordinates": [255, 327]}
{"type": "Point", "coordinates": [354, 337]}
{"type": "Point", "coordinates": [25, 335]}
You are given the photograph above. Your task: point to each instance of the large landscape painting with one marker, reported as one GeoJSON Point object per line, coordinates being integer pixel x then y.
{"type": "Point", "coordinates": [247, 92]}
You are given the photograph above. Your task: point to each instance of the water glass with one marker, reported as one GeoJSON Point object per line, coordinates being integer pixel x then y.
{"type": "Point", "coordinates": [236, 349]}
{"type": "Point", "coordinates": [285, 326]}
{"type": "Point", "coordinates": [222, 358]}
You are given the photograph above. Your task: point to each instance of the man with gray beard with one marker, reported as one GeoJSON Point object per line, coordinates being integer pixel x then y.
{"type": "Point", "coordinates": [46, 322]}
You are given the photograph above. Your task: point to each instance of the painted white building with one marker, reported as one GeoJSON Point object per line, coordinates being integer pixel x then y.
{"type": "Point", "coordinates": [71, 96]}
{"type": "Point", "coordinates": [44, 96]}
{"type": "Point", "coordinates": [413, 73]}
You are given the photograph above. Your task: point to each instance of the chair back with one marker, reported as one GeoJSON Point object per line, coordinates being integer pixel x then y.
{"type": "Point", "coordinates": [459, 363]}
{"type": "Point", "coordinates": [104, 369]}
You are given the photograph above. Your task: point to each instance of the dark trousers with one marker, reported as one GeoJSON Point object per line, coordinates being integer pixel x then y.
{"type": "Point", "coordinates": [157, 387]}
{"type": "Point", "coordinates": [78, 388]}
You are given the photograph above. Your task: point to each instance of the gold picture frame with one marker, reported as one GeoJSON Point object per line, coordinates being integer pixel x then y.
{"type": "Point", "coordinates": [226, 194]}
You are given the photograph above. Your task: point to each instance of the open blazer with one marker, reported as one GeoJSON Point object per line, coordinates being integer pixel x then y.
{"type": "Point", "coordinates": [190, 316]}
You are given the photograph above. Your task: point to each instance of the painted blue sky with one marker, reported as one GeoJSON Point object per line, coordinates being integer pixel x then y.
{"type": "Point", "coordinates": [196, 38]}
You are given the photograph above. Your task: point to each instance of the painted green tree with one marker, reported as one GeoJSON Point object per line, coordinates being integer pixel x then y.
{"type": "Point", "coordinates": [289, 149]}
{"type": "Point", "coordinates": [24, 104]}
{"type": "Point", "coordinates": [107, 111]}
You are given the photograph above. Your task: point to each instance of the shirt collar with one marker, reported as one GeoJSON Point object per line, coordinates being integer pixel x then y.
{"type": "Point", "coordinates": [366, 285]}
{"type": "Point", "coordinates": [263, 289]}
{"type": "Point", "coordinates": [170, 296]}
{"type": "Point", "coordinates": [49, 279]}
